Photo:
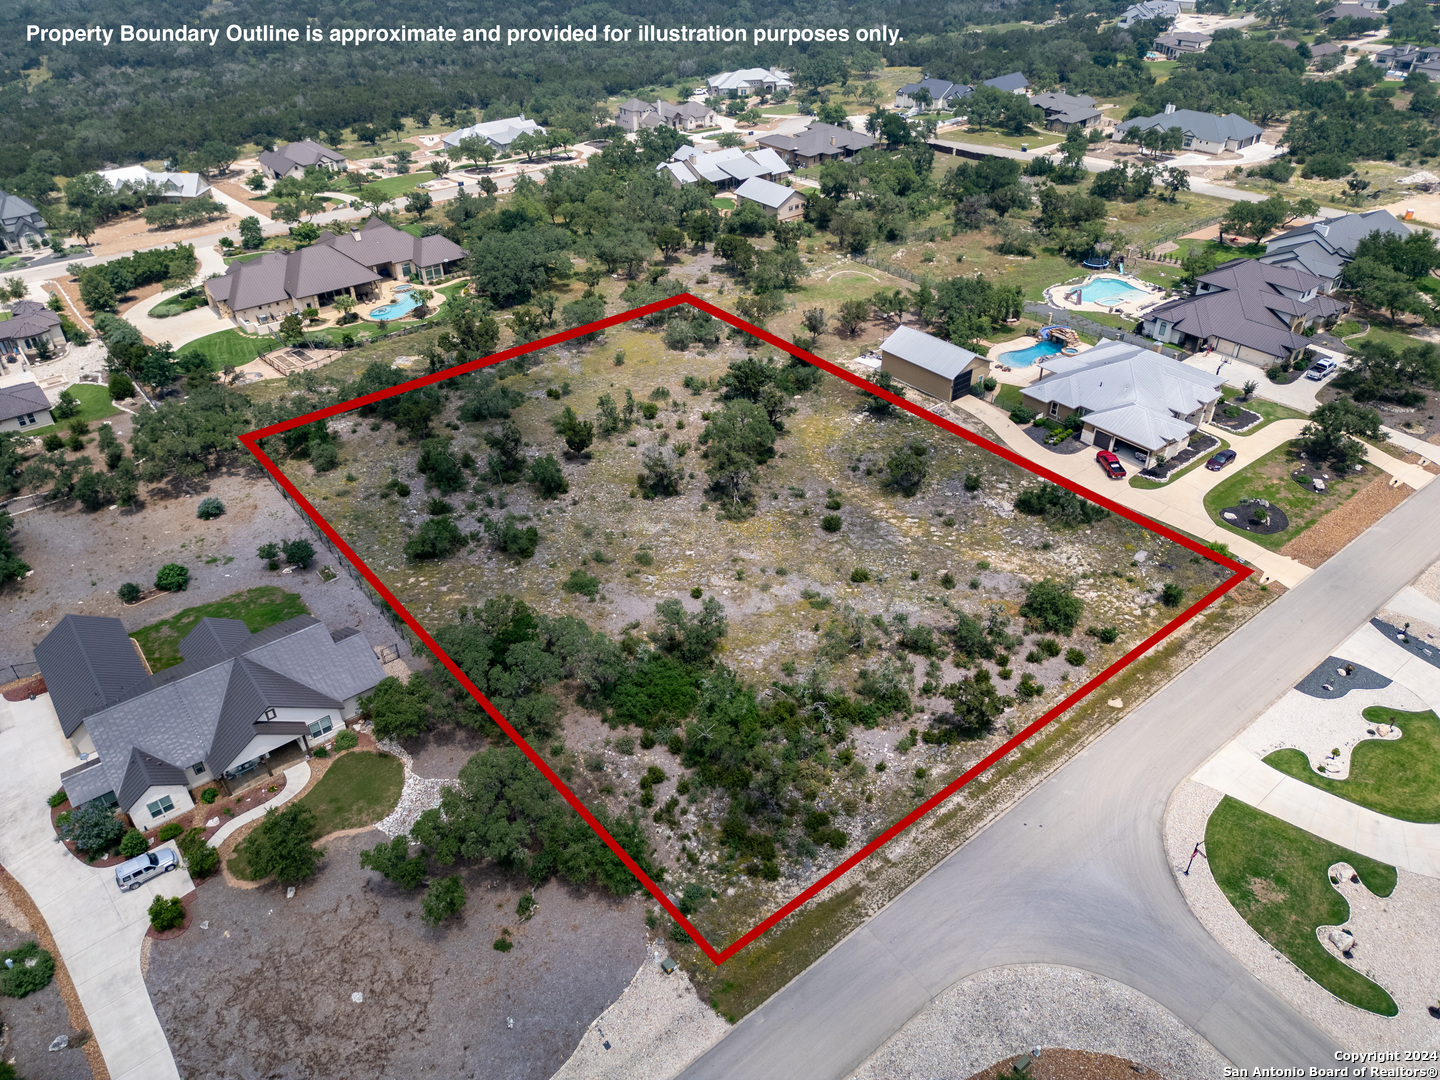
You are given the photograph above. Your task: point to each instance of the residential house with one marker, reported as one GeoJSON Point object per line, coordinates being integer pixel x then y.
{"type": "Point", "coordinates": [1064, 111]}
{"type": "Point", "coordinates": [277, 283]}
{"type": "Point", "coordinates": [23, 405]}
{"type": "Point", "coordinates": [1130, 398]}
{"type": "Point", "coordinates": [1406, 58]}
{"type": "Point", "coordinates": [749, 81]}
{"type": "Point", "coordinates": [944, 95]}
{"type": "Point", "coordinates": [930, 364]}
{"type": "Point", "coordinates": [777, 200]}
{"type": "Point", "coordinates": [817, 144]}
{"type": "Point", "coordinates": [1368, 9]}
{"type": "Point", "coordinates": [292, 159]}
{"type": "Point", "coordinates": [687, 116]}
{"type": "Point", "coordinates": [1174, 46]}
{"type": "Point", "coordinates": [1324, 49]}
{"type": "Point", "coordinates": [498, 133]}
{"type": "Point", "coordinates": [236, 703]}
{"type": "Point", "coordinates": [1014, 83]}
{"type": "Point", "coordinates": [725, 168]}
{"type": "Point", "coordinates": [1151, 10]}
{"type": "Point", "coordinates": [172, 186]}
{"type": "Point", "coordinates": [31, 329]}
{"type": "Point", "coordinates": [1247, 309]}
{"type": "Point", "coordinates": [21, 226]}
{"type": "Point", "coordinates": [1324, 248]}
{"type": "Point", "coordinates": [1205, 133]}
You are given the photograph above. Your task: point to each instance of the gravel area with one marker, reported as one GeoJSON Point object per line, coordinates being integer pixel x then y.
{"type": "Point", "coordinates": [1007, 1009]}
{"type": "Point", "coordinates": [1347, 521]}
{"type": "Point", "coordinates": [28, 1024]}
{"type": "Point", "coordinates": [417, 796]}
{"type": "Point", "coordinates": [1395, 940]}
{"type": "Point", "coordinates": [656, 1028]}
{"type": "Point", "coordinates": [434, 1002]}
{"type": "Point", "coordinates": [1335, 677]}
{"type": "Point", "coordinates": [1071, 445]}
{"type": "Point", "coordinates": [1410, 642]}
{"type": "Point", "coordinates": [80, 559]}
{"type": "Point", "coordinates": [1315, 727]}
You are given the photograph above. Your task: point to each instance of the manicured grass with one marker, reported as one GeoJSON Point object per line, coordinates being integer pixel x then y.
{"type": "Point", "coordinates": [95, 405]}
{"type": "Point", "coordinates": [1007, 397]}
{"type": "Point", "coordinates": [1269, 478]}
{"type": "Point", "coordinates": [1144, 483]}
{"type": "Point", "coordinates": [1275, 876]}
{"type": "Point", "coordinates": [1399, 778]}
{"type": "Point", "coordinates": [1035, 142]}
{"type": "Point", "coordinates": [359, 789]}
{"type": "Point", "coordinates": [1396, 339]}
{"type": "Point", "coordinates": [1119, 322]}
{"type": "Point", "coordinates": [229, 348]}
{"type": "Point", "coordinates": [10, 261]}
{"type": "Point", "coordinates": [1161, 69]}
{"type": "Point", "coordinates": [1346, 329]}
{"type": "Point", "coordinates": [397, 185]}
{"type": "Point", "coordinates": [257, 608]}
{"type": "Point", "coordinates": [1270, 410]}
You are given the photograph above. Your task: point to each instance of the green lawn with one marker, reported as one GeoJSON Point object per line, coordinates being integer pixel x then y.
{"type": "Point", "coordinates": [1399, 778]}
{"type": "Point", "coordinates": [397, 185]}
{"type": "Point", "coordinates": [95, 405]}
{"type": "Point", "coordinates": [257, 608]}
{"type": "Point", "coordinates": [1035, 142]}
{"type": "Point", "coordinates": [229, 348]}
{"type": "Point", "coordinates": [1161, 69]}
{"type": "Point", "coordinates": [1007, 397]}
{"type": "Point", "coordinates": [1269, 478]}
{"type": "Point", "coordinates": [359, 789]}
{"type": "Point", "coordinates": [1275, 876]}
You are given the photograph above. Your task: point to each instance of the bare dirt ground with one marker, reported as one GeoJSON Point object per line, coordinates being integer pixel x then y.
{"type": "Point", "coordinates": [128, 233]}
{"type": "Point", "coordinates": [240, 193]}
{"type": "Point", "coordinates": [80, 559]}
{"type": "Point", "coordinates": [1069, 1065]}
{"type": "Point", "coordinates": [266, 990]}
{"type": "Point", "coordinates": [1340, 526]}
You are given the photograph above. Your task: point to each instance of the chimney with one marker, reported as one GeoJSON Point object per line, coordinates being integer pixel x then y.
{"type": "Point", "coordinates": [355, 235]}
{"type": "Point", "coordinates": [1169, 107]}
{"type": "Point", "coordinates": [1323, 229]}
{"type": "Point", "coordinates": [832, 140]}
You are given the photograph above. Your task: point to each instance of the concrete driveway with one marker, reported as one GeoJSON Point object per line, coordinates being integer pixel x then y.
{"type": "Point", "coordinates": [97, 928]}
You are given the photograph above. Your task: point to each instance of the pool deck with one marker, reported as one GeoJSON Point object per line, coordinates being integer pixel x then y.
{"type": "Point", "coordinates": [1017, 376]}
{"type": "Point", "coordinates": [1134, 308]}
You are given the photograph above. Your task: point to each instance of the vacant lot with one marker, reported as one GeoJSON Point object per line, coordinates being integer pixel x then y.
{"type": "Point", "coordinates": [265, 992]}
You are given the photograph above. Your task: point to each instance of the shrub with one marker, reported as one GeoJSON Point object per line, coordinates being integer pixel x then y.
{"type": "Point", "coordinates": [1021, 415]}
{"type": "Point", "coordinates": [1107, 634]}
{"type": "Point", "coordinates": [133, 843]}
{"type": "Point", "coordinates": [283, 845]}
{"type": "Point", "coordinates": [321, 751]}
{"type": "Point", "coordinates": [859, 575]}
{"type": "Point", "coordinates": [443, 900]}
{"type": "Point", "coordinates": [438, 538]}
{"type": "Point", "coordinates": [831, 523]}
{"type": "Point", "coordinates": [947, 580]}
{"type": "Point", "coordinates": [129, 592]}
{"type": "Point", "coordinates": [166, 913]}
{"type": "Point", "coordinates": [201, 860]}
{"type": "Point", "coordinates": [584, 583]}
{"type": "Point", "coordinates": [173, 578]}
{"type": "Point", "coordinates": [121, 386]}
{"type": "Point", "coordinates": [644, 558]}
{"type": "Point", "coordinates": [93, 828]}
{"type": "Point", "coordinates": [298, 552]}
{"type": "Point", "coordinates": [170, 831]}
{"type": "Point", "coordinates": [346, 740]}
{"type": "Point", "coordinates": [1171, 594]}
{"type": "Point", "coordinates": [503, 942]}
{"type": "Point", "coordinates": [1051, 606]}
{"type": "Point", "coordinates": [209, 508]}
{"type": "Point", "coordinates": [58, 798]}
{"type": "Point", "coordinates": [1074, 657]}
{"type": "Point", "coordinates": [26, 977]}
{"type": "Point", "coordinates": [209, 795]}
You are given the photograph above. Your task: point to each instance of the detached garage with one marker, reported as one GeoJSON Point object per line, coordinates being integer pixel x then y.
{"type": "Point", "coordinates": [931, 365]}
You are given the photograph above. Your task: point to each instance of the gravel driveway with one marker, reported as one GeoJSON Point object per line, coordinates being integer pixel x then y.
{"type": "Point", "coordinates": [265, 992]}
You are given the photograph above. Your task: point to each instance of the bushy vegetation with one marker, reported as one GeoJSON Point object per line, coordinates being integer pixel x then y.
{"type": "Point", "coordinates": [32, 970]}
{"type": "Point", "coordinates": [166, 913]}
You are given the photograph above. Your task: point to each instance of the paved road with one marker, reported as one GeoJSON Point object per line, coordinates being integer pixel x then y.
{"type": "Point", "coordinates": [1076, 872]}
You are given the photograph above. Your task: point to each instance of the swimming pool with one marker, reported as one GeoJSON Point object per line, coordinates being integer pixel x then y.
{"type": "Point", "coordinates": [402, 305]}
{"type": "Point", "coordinates": [1026, 357]}
{"type": "Point", "coordinates": [1110, 290]}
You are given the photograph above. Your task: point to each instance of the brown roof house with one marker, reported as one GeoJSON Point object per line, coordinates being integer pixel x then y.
{"type": "Point", "coordinates": [687, 116]}
{"type": "Point", "coordinates": [292, 159]}
{"type": "Point", "coordinates": [1247, 309]}
{"type": "Point", "coordinates": [817, 144]}
{"type": "Point", "coordinates": [395, 253]}
{"type": "Point", "coordinates": [930, 364]}
{"type": "Point", "coordinates": [31, 329]}
{"type": "Point", "coordinates": [23, 405]}
{"type": "Point", "coordinates": [239, 703]}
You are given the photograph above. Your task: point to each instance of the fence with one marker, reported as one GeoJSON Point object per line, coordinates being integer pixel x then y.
{"type": "Point", "coordinates": [1076, 321]}
{"type": "Point", "coordinates": [14, 672]}
{"type": "Point", "coordinates": [897, 271]}
{"type": "Point", "coordinates": [23, 504]}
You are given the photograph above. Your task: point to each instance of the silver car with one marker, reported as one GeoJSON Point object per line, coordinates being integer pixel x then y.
{"type": "Point", "coordinates": [133, 873]}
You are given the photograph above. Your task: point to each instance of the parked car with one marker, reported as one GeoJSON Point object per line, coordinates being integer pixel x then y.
{"type": "Point", "coordinates": [1220, 460]}
{"type": "Point", "coordinates": [1140, 456]}
{"type": "Point", "coordinates": [1320, 369]}
{"type": "Point", "coordinates": [1111, 464]}
{"type": "Point", "coordinates": [135, 872]}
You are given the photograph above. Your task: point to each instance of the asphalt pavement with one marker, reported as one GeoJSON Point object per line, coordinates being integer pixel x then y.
{"type": "Point", "coordinates": [1076, 872]}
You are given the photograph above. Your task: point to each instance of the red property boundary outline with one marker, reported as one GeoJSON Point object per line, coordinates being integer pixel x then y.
{"type": "Point", "coordinates": [252, 439]}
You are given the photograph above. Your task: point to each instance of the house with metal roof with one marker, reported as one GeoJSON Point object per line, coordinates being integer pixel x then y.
{"type": "Point", "coordinates": [634, 114]}
{"type": "Point", "coordinates": [235, 704]}
{"type": "Point", "coordinates": [1247, 309]}
{"type": "Point", "coordinates": [724, 168]}
{"type": "Point", "coordinates": [21, 226]}
{"type": "Point", "coordinates": [31, 329]}
{"type": "Point", "coordinates": [1174, 46]}
{"type": "Point", "coordinates": [1129, 398]}
{"type": "Point", "coordinates": [1205, 133]}
{"type": "Point", "coordinates": [1014, 83]}
{"type": "Point", "coordinates": [498, 133]}
{"type": "Point", "coordinates": [1064, 111]}
{"type": "Point", "coordinates": [23, 405]}
{"type": "Point", "coordinates": [930, 364]}
{"type": "Point", "coordinates": [749, 81]}
{"type": "Point", "coordinates": [943, 95]}
{"type": "Point", "coordinates": [1151, 10]}
{"type": "Point", "coordinates": [817, 144]}
{"type": "Point", "coordinates": [171, 186]}
{"type": "Point", "coordinates": [1324, 248]}
{"type": "Point", "coordinates": [292, 159]}
{"type": "Point", "coordinates": [776, 200]}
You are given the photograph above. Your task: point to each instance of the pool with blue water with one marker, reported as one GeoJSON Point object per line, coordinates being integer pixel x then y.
{"type": "Point", "coordinates": [1027, 356]}
{"type": "Point", "coordinates": [402, 305]}
{"type": "Point", "coordinates": [1110, 290]}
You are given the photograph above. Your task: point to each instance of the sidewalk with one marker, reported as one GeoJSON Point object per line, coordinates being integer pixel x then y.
{"type": "Point", "coordinates": [1404, 844]}
{"type": "Point", "coordinates": [97, 928]}
{"type": "Point", "coordinates": [296, 777]}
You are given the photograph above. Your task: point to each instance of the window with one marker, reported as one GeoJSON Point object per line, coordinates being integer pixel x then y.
{"type": "Point", "coordinates": [320, 727]}
{"type": "Point", "coordinates": [160, 806]}
{"type": "Point", "coordinates": [198, 768]}
{"type": "Point", "coordinates": [1054, 408]}
{"type": "Point", "coordinates": [270, 714]}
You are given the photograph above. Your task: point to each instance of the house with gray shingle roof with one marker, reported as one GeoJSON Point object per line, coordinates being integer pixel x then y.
{"type": "Point", "coordinates": [1064, 111]}
{"type": "Point", "coordinates": [1325, 248]}
{"type": "Point", "coordinates": [1174, 46]}
{"type": "Point", "coordinates": [1014, 83]}
{"type": "Point", "coordinates": [1130, 398]}
{"type": "Point", "coordinates": [1247, 309]}
{"type": "Point", "coordinates": [23, 405]}
{"type": "Point", "coordinates": [31, 329]}
{"type": "Point", "coordinates": [1205, 133]}
{"type": "Point", "coordinates": [635, 114]}
{"type": "Point", "coordinates": [21, 226]}
{"type": "Point", "coordinates": [943, 94]}
{"type": "Point", "coordinates": [292, 159]}
{"type": "Point", "coordinates": [776, 200]}
{"type": "Point", "coordinates": [236, 701]}
{"type": "Point", "coordinates": [1151, 10]}
{"type": "Point", "coordinates": [817, 144]}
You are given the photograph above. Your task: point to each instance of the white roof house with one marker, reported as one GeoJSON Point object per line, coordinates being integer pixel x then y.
{"type": "Point", "coordinates": [764, 192]}
{"type": "Point", "coordinates": [175, 185]}
{"type": "Point", "coordinates": [723, 167]}
{"type": "Point", "coordinates": [750, 80]}
{"type": "Point", "coordinates": [499, 133]}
